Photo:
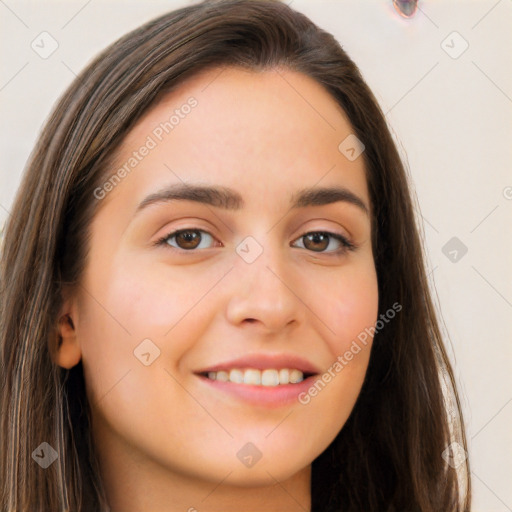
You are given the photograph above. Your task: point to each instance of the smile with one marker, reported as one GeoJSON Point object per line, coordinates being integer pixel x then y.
{"type": "Point", "coordinates": [269, 395]}
{"type": "Point", "coordinates": [251, 376]}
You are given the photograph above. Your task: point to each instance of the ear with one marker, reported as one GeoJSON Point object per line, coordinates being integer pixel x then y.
{"type": "Point", "coordinates": [68, 352]}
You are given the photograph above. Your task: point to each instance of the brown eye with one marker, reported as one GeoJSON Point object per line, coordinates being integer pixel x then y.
{"type": "Point", "coordinates": [187, 239]}
{"type": "Point", "coordinates": [319, 241]}
{"type": "Point", "coordinates": [316, 241]}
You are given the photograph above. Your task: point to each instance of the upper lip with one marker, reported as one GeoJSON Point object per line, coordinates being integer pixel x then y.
{"type": "Point", "coordinates": [265, 361]}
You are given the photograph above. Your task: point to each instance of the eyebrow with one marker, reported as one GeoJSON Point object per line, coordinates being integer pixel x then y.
{"type": "Point", "coordinates": [229, 199]}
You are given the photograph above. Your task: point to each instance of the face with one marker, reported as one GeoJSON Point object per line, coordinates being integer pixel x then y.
{"type": "Point", "coordinates": [251, 285]}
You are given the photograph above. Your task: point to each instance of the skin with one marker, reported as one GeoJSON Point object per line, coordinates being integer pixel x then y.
{"type": "Point", "coordinates": [166, 441]}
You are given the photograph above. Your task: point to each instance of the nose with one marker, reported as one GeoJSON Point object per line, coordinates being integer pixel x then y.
{"type": "Point", "coordinates": [265, 293]}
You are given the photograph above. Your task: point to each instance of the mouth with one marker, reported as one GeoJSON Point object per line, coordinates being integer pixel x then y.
{"type": "Point", "coordinates": [252, 387]}
{"type": "Point", "coordinates": [268, 380]}
{"type": "Point", "coordinates": [269, 377]}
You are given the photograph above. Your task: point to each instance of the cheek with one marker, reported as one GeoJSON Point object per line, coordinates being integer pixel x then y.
{"type": "Point", "coordinates": [353, 308]}
{"type": "Point", "coordinates": [130, 302]}
{"type": "Point", "coordinates": [349, 315]}
{"type": "Point", "coordinates": [120, 308]}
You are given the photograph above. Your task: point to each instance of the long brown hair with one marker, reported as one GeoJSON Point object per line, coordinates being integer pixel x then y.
{"type": "Point", "coordinates": [389, 454]}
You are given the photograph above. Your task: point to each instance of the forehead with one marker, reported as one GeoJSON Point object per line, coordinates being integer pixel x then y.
{"type": "Point", "coordinates": [253, 130]}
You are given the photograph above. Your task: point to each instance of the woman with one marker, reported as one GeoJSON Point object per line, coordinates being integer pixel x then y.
{"type": "Point", "coordinates": [214, 294]}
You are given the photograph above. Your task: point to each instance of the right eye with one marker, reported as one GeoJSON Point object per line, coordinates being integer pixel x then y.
{"type": "Point", "coordinates": [186, 239]}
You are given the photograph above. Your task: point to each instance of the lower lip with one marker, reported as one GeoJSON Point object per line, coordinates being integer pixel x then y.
{"type": "Point", "coordinates": [267, 396]}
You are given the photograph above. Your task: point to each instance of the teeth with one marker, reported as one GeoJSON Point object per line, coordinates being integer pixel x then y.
{"type": "Point", "coordinates": [223, 376]}
{"type": "Point", "coordinates": [236, 376]}
{"type": "Point", "coordinates": [252, 377]}
{"type": "Point", "coordinates": [296, 376]}
{"type": "Point", "coordinates": [269, 377]}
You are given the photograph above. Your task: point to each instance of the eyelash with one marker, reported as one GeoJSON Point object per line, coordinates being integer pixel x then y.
{"type": "Point", "coordinates": [347, 245]}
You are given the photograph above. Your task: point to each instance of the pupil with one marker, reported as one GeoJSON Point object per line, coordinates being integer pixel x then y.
{"type": "Point", "coordinates": [188, 238]}
{"type": "Point", "coordinates": [315, 238]}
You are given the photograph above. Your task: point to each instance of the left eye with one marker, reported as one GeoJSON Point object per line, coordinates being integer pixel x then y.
{"type": "Point", "coordinates": [189, 239]}
{"type": "Point", "coordinates": [319, 238]}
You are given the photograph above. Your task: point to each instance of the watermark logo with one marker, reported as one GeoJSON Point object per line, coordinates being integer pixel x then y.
{"type": "Point", "coordinates": [146, 352]}
{"type": "Point", "coordinates": [454, 455]}
{"type": "Point", "coordinates": [351, 147]}
{"type": "Point", "coordinates": [454, 249]}
{"type": "Point", "coordinates": [454, 45]}
{"type": "Point", "coordinates": [249, 455]}
{"type": "Point", "coordinates": [249, 249]}
{"type": "Point", "coordinates": [45, 455]}
{"type": "Point", "coordinates": [44, 45]}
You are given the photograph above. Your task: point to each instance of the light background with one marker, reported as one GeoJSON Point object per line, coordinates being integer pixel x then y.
{"type": "Point", "coordinates": [452, 118]}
